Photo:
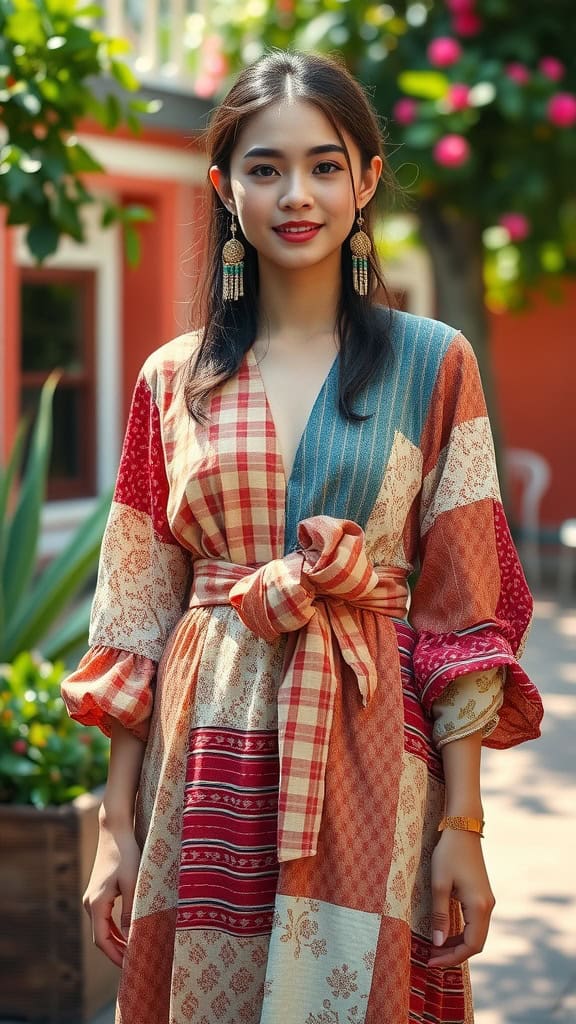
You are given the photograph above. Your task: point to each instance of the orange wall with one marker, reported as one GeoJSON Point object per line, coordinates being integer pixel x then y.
{"type": "Point", "coordinates": [156, 293]}
{"type": "Point", "coordinates": [155, 303]}
{"type": "Point", "coordinates": [534, 359]}
{"type": "Point", "coordinates": [9, 331]}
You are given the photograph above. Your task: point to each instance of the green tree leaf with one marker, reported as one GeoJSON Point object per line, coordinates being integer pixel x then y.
{"type": "Point", "coordinates": [50, 59]}
{"type": "Point", "coordinates": [42, 240]}
{"type": "Point", "coordinates": [428, 85]}
{"type": "Point", "coordinates": [124, 76]}
{"type": "Point", "coordinates": [131, 245]}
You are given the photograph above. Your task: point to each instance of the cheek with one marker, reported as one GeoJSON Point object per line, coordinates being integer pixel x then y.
{"type": "Point", "coordinates": [254, 210]}
{"type": "Point", "coordinates": [340, 201]}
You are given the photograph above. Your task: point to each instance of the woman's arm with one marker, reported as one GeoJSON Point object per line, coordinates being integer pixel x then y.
{"type": "Point", "coordinates": [118, 856]}
{"type": "Point", "coordinates": [458, 868]}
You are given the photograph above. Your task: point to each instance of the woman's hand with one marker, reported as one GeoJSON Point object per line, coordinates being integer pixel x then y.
{"type": "Point", "coordinates": [458, 870]}
{"type": "Point", "coordinates": [113, 875]}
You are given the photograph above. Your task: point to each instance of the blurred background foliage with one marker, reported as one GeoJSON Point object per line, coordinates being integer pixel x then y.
{"type": "Point", "coordinates": [33, 599]}
{"type": "Point", "coordinates": [477, 100]}
{"type": "Point", "coordinates": [45, 756]}
{"type": "Point", "coordinates": [51, 51]}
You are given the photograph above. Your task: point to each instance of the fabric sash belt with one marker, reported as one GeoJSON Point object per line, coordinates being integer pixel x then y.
{"type": "Point", "coordinates": [317, 594]}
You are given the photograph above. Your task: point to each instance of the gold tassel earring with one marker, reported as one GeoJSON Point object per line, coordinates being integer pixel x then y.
{"type": "Point", "coordinates": [232, 267]}
{"type": "Point", "coordinates": [361, 247]}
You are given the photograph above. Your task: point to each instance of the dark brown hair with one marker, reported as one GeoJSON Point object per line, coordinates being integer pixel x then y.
{"type": "Point", "coordinates": [230, 328]}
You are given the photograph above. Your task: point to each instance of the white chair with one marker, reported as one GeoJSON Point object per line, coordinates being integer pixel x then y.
{"type": "Point", "coordinates": [532, 471]}
{"type": "Point", "coordinates": [567, 563]}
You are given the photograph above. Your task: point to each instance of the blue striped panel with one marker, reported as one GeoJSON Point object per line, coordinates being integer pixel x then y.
{"type": "Point", "coordinates": [339, 465]}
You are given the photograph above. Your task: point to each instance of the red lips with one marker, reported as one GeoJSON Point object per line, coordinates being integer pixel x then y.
{"type": "Point", "coordinates": [297, 230]}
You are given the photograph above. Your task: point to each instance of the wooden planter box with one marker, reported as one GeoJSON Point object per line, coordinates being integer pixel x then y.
{"type": "Point", "coordinates": [50, 970]}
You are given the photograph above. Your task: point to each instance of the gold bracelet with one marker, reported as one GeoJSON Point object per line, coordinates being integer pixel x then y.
{"type": "Point", "coordinates": [463, 824]}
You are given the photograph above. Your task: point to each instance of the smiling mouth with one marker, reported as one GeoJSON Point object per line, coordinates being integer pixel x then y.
{"type": "Point", "coordinates": [297, 232]}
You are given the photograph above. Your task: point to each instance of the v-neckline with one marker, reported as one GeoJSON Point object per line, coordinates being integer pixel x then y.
{"type": "Point", "coordinates": [319, 397]}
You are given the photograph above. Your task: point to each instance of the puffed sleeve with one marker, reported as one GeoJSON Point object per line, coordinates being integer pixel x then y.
{"type": "Point", "coordinates": [142, 583]}
{"type": "Point", "coordinates": [471, 607]}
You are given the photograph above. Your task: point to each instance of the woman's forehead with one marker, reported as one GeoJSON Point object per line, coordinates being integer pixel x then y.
{"type": "Point", "coordinates": [289, 125]}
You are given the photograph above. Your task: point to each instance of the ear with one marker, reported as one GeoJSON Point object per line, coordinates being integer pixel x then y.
{"type": "Point", "coordinates": [222, 185]}
{"type": "Point", "coordinates": [369, 181]}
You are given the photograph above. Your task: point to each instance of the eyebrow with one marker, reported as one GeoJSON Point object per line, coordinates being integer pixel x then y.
{"type": "Point", "coordinates": [330, 147]}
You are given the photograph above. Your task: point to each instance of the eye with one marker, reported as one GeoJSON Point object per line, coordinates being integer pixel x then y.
{"type": "Point", "coordinates": [264, 171]}
{"type": "Point", "coordinates": [326, 167]}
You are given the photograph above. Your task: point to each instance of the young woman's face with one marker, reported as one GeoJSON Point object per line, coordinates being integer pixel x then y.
{"type": "Point", "coordinates": [290, 185]}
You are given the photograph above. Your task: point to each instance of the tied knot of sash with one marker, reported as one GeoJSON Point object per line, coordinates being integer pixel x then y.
{"type": "Point", "coordinates": [330, 564]}
{"type": "Point", "coordinates": [317, 594]}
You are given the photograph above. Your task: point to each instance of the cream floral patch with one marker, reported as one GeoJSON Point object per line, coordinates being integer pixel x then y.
{"type": "Point", "coordinates": [220, 972]}
{"type": "Point", "coordinates": [238, 676]}
{"type": "Point", "coordinates": [300, 929]}
{"type": "Point", "coordinates": [141, 585]}
{"type": "Point", "coordinates": [407, 843]}
{"type": "Point", "coordinates": [400, 486]}
{"type": "Point", "coordinates": [312, 976]}
{"type": "Point", "coordinates": [469, 703]}
{"type": "Point", "coordinates": [465, 472]}
{"type": "Point", "coordinates": [421, 897]}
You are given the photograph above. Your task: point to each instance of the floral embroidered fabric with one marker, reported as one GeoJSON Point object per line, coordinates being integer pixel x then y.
{"type": "Point", "coordinates": [469, 704]}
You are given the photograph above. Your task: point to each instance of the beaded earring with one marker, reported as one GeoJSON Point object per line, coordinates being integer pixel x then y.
{"type": "Point", "coordinates": [232, 267]}
{"type": "Point", "coordinates": [361, 247]}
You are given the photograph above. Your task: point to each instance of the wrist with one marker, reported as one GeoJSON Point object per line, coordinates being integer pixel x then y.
{"type": "Point", "coordinates": [469, 805]}
{"type": "Point", "coordinates": [115, 819]}
{"type": "Point", "coordinates": [462, 823]}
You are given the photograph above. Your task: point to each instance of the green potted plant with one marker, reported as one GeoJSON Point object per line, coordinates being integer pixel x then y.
{"type": "Point", "coordinates": [50, 767]}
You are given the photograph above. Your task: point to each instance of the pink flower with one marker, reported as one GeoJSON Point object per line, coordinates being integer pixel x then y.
{"type": "Point", "coordinates": [552, 68]}
{"type": "Point", "coordinates": [458, 96]}
{"type": "Point", "coordinates": [212, 44]}
{"type": "Point", "coordinates": [216, 64]}
{"type": "Point", "coordinates": [205, 86]}
{"type": "Point", "coordinates": [460, 6]}
{"type": "Point", "coordinates": [405, 111]}
{"type": "Point", "coordinates": [452, 151]}
{"type": "Point", "coordinates": [562, 109]}
{"type": "Point", "coordinates": [214, 67]}
{"type": "Point", "coordinates": [20, 746]}
{"type": "Point", "coordinates": [444, 51]}
{"type": "Point", "coordinates": [467, 24]}
{"type": "Point", "coordinates": [517, 226]}
{"type": "Point", "coordinates": [518, 73]}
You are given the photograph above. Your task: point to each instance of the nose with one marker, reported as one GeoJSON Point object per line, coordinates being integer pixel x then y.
{"type": "Point", "coordinates": [296, 195]}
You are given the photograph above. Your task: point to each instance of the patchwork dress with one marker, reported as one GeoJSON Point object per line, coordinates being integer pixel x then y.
{"type": "Point", "coordinates": [256, 630]}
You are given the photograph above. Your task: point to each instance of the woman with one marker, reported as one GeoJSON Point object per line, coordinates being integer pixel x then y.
{"type": "Point", "coordinates": [305, 779]}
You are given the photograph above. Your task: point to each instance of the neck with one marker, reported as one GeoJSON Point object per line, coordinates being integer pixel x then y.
{"type": "Point", "coordinates": [298, 305]}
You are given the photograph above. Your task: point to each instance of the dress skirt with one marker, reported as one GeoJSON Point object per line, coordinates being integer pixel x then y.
{"type": "Point", "coordinates": [220, 931]}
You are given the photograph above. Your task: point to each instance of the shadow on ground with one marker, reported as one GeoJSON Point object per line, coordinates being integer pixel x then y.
{"type": "Point", "coordinates": [536, 983]}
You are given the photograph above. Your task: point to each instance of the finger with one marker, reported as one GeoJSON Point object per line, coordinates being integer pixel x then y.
{"type": "Point", "coordinates": [440, 913]}
{"type": "Point", "coordinates": [459, 948]}
{"type": "Point", "coordinates": [477, 922]}
{"type": "Point", "coordinates": [450, 956]}
{"type": "Point", "coordinates": [106, 934]}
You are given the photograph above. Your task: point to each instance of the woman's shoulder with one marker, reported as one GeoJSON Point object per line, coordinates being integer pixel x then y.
{"type": "Point", "coordinates": [422, 343]}
{"type": "Point", "coordinates": [165, 362]}
{"type": "Point", "coordinates": [422, 333]}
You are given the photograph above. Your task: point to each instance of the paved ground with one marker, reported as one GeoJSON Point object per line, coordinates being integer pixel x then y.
{"type": "Point", "coordinates": [527, 972]}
